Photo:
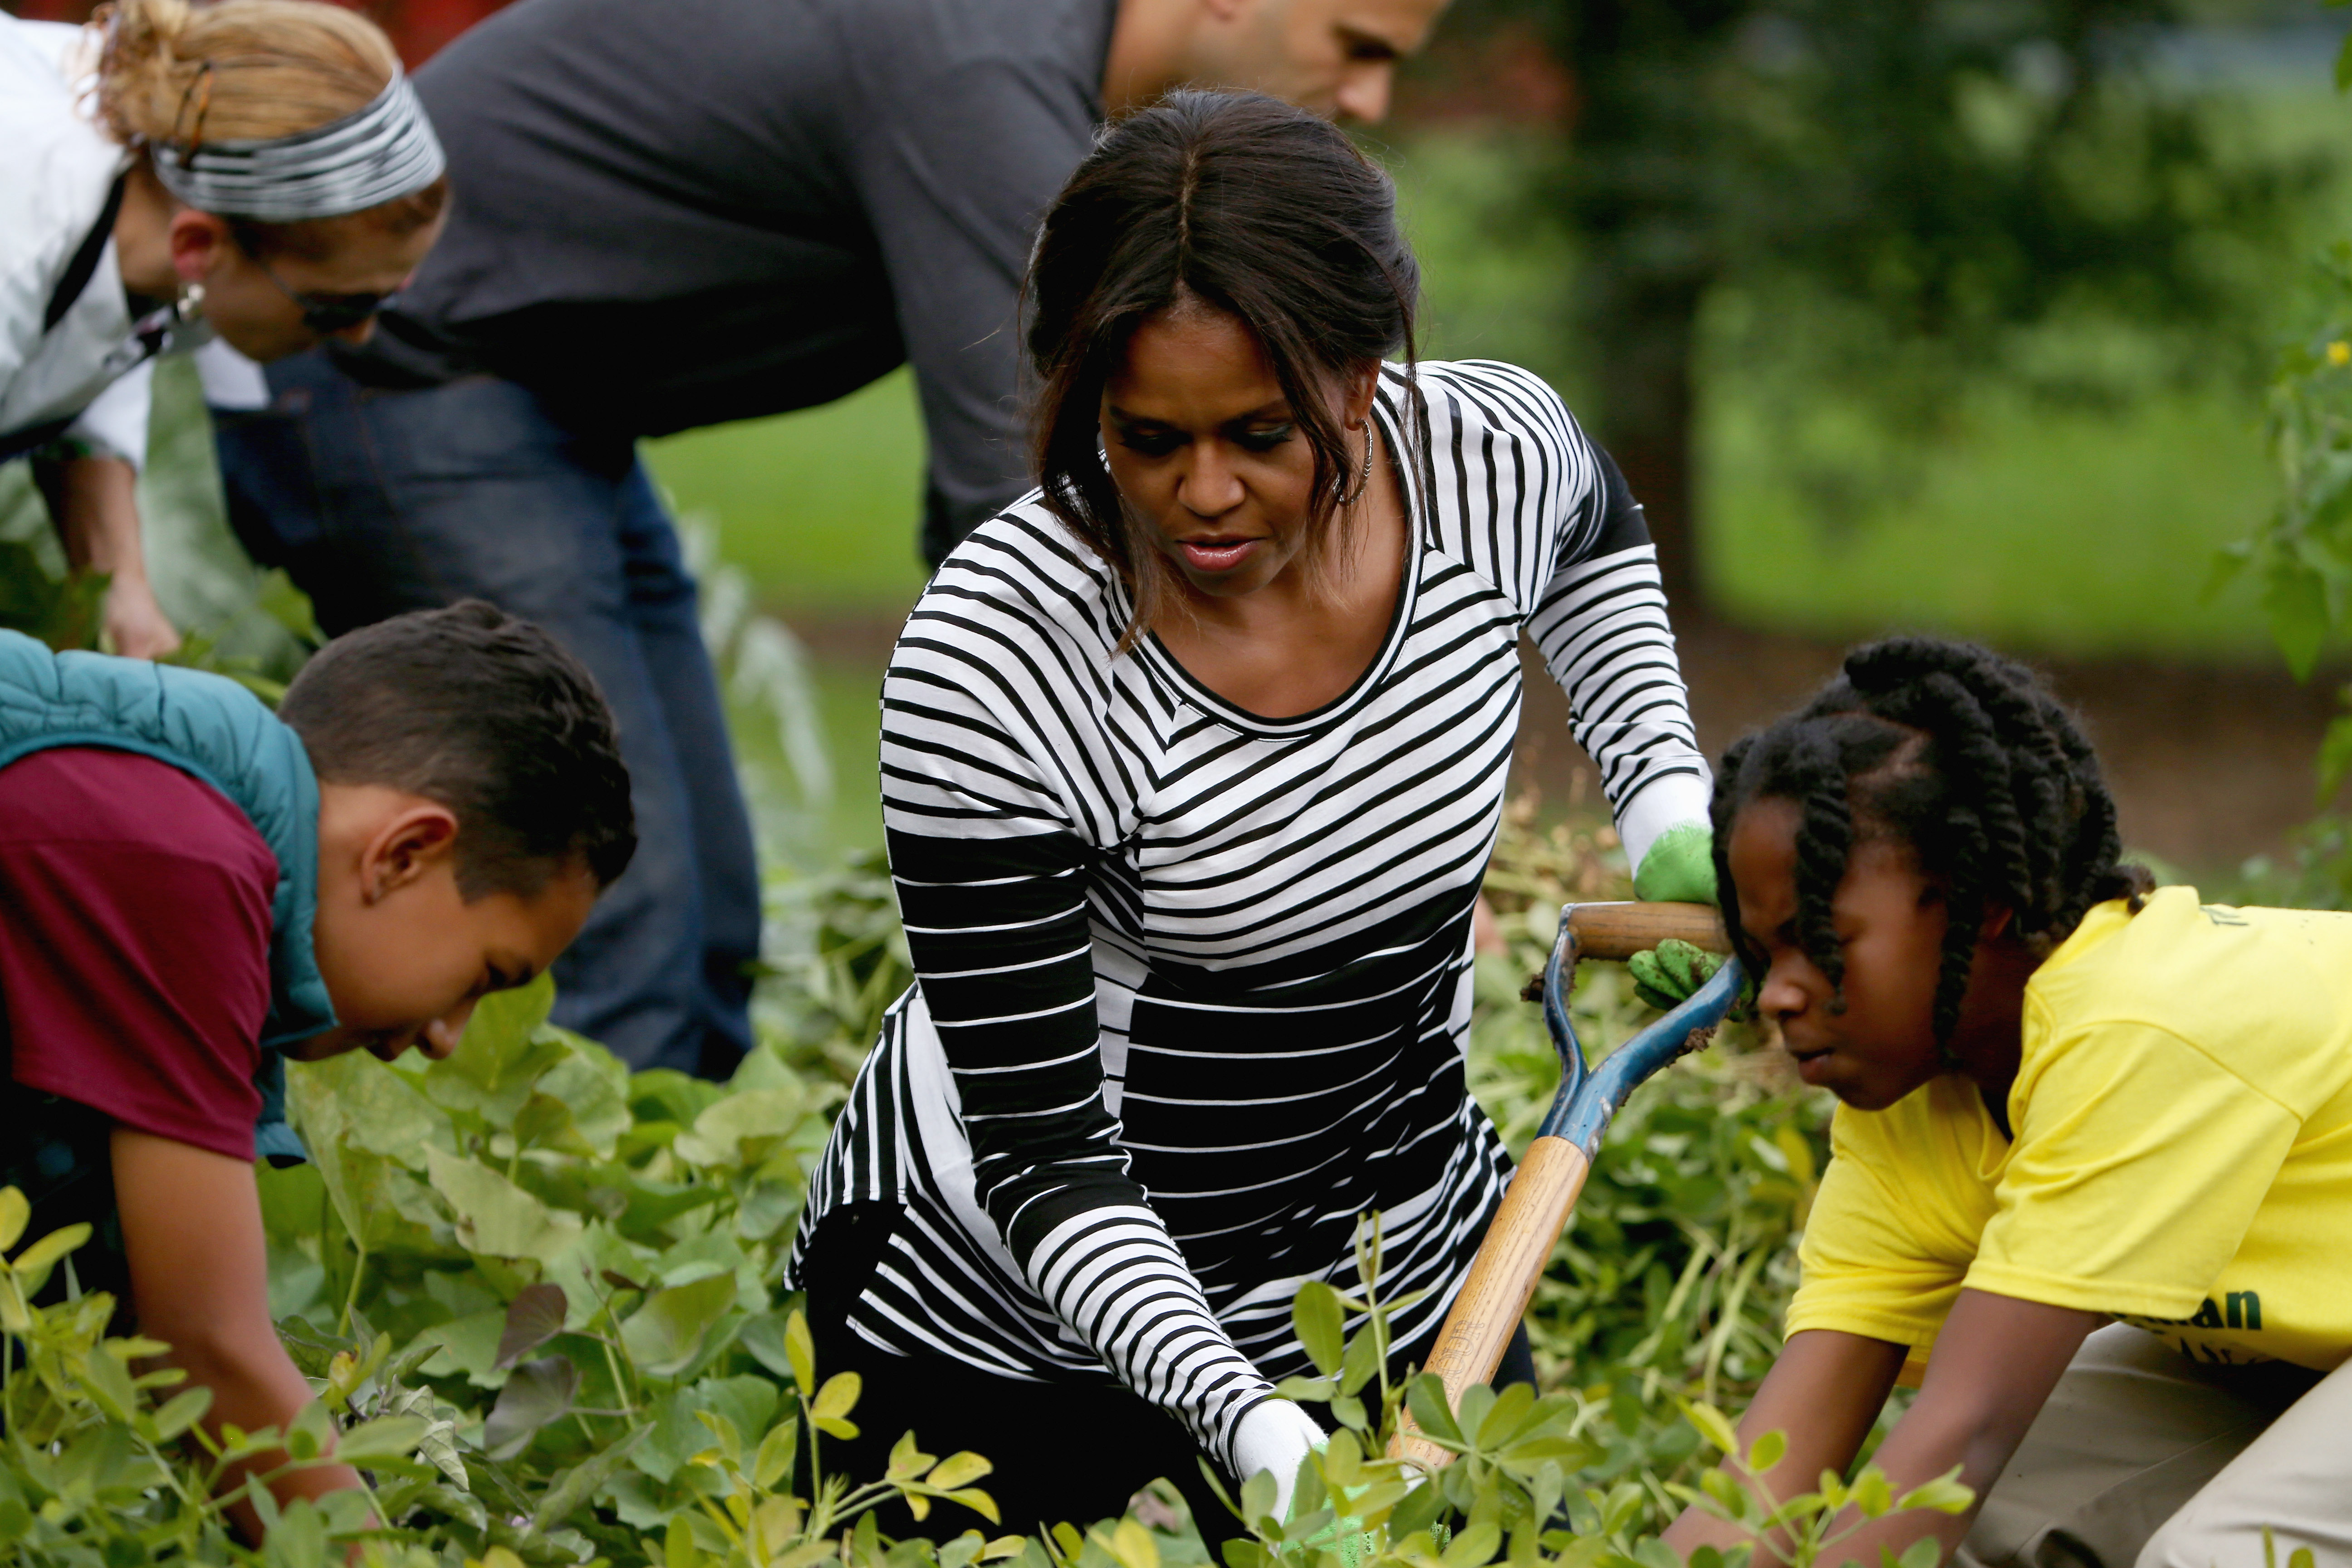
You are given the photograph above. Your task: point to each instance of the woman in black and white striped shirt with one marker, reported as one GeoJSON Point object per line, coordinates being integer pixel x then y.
{"type": "Point", "coordinates": [1191, 765]}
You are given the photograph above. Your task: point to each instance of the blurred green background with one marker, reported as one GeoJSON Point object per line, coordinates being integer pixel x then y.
{"type": "Point", "coordinates": [1976, 316]}
{"type": "Point", "coordinates": [2068, 501]}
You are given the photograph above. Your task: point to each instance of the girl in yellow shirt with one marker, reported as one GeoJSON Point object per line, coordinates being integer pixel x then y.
{"type": "Point", "coordinates": [2095, 1145]}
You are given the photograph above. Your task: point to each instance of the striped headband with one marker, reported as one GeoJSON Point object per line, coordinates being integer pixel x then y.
{"type": "Point", "coordinates": [383, 151]}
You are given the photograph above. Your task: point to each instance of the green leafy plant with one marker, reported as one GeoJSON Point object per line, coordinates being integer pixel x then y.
{"type": "Point", "coordinates": [1808, 1526]}
{"type": "Point", "coordinates": [96, 1473]}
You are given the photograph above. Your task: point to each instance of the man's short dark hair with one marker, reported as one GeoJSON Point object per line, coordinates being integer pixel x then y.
{"type": "Point", "coordinates": [486, 715]}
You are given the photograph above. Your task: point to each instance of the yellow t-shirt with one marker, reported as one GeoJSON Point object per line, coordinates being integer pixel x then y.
{"type": "Point", "coordinates": [2183, 1158]}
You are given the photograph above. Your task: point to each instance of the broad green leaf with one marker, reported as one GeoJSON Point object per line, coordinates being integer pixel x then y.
{"type": "Point", "coordinates": [32, 1266]}
{"type": "Point", "coordinates": [1768, 1452]}
{"type": "Point", "coordinates": [310, 1433]}
{"type": "Point", "coordinates": [2295, 602]}
{"type": "Point", "coordinates": [959, 1470]}
{"type": "Point", "coordinates": [774, 1460]}
{"type": "Point", "coordinates": [1871, 1494]}
{"type": "Point", "coordinates": [1475, 1547]}
{"type": "Point", "coordinates": [502, 1056]}
{"type": "Point", "coordinates": [729, 1437]}
{"type": "Point", "coordinates": [762, 1334]}
{"type": "Point", "coordinates": [1713, 1424]}
{"type": "Point", "coordinates": [1924, 1552]}
{"type": "Point", "coordinates": [107, 1383]}
{"type": "Point", "coordinates": [1322, 1327]}
{"type": "Point", "coordinates": [468, 1344]}
{"type": "Point", "coordinates": [496, 1217]}
{"type": "Point", "coordinates": [906, 1459]}
{"type": "Point", "coordinates": [386, 1438]}
{"type": "Point", "coordinates": [748, 1402]}
{"type": "Point", "coordinates": [679, 1549]}
{"type": "Point", "coordinates": [593, 1086]}
{"type": "Point", "coordinates": [801, 1352]}
{"type": "Point", "coordinates": [1502, 1420]}
{"type": "Point", "coordinates": [185, 1410]}
{"type": "Point", "coordinates": [665, 1335]}
{"type": "Point", "coordinates": [381, 1110]}
{"type": "Point", "coordinates": [532, 1319]}
{"type": "Point", "coordinates": [1343, 1460]}
{"type": "Point", "coordinates": [537, 1393]}
{"type": "Point", "coordinates": [1131, 1546]}
{"type": "Point", "coordinates": [1426, 1397]}
{"type": "Point", "coordinates": [741, 1128]}
{"type": "Point", "coordinates": [1361, 1363]}
{"type": "Point", "coordinates": [1944, 1494]}
{"type": "Point", "coordinates": [14, 1215]}
{"type": "Point", "coordinates": [839, 1396]}
{"type": "Point", "coordinates": [1257, 1497]}
{"type": "Point", "coordinates": [1724, 1491]}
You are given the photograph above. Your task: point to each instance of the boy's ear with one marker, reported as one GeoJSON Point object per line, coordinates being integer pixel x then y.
{"type": "Point", "coordinates": [406, 846]}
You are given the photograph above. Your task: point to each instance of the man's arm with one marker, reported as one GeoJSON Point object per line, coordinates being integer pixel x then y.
{"type": "Point", "coordinates": [94, 502]}
{"type": "Point", "coordinates": [955, 207]}
{"type": "Point", "coordinates": [1994, 1365]}
{"type": "Point", "coordinates": [200, 1282]}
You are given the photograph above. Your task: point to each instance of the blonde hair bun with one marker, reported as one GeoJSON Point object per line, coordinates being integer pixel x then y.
{"type": "Point", "coordinates": [184, 74]}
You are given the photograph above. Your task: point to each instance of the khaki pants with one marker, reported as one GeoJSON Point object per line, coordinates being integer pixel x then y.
{"type": "Point", "coordinates": [2145, 1457]}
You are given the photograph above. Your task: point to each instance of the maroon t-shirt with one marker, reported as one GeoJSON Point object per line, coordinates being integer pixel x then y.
{"type": "Point", "coordinates": [134, 943]}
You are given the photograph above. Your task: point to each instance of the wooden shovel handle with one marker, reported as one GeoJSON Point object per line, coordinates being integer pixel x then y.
{"type": "Point", "coordinates": [1502, 1280]}
{"type": "Point", "coordinates": [1618, 931]}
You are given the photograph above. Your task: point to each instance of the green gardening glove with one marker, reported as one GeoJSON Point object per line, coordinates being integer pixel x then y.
{"type": "Point", "coordinates": [1679, 867]}
{"type": "Point", "coordinates": [1666, 976]}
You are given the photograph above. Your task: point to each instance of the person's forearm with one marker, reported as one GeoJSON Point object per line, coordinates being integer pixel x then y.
{"type": "Point", "coordinates": [94, 504]}
{"type": "Point", "coordinates": [255, 1385]}
{"type": "Point", "coordinates": [1823, 1395]}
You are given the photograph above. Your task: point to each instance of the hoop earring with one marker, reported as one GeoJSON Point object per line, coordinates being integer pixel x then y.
{"type": "Point", "coordinates": [1364, 477]}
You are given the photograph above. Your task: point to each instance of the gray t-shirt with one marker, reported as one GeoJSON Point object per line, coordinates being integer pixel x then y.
{"type": "Point", "coordinates": [674, 214]}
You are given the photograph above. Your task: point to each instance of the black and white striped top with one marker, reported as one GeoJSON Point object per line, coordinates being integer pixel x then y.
{"type": "Point", "coordinates": [1193, 985]}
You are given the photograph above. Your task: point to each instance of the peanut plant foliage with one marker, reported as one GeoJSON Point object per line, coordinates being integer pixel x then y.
{"type": "Point", "coordinates": [540, 1299]}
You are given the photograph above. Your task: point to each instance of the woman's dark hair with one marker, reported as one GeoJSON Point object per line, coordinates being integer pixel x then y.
{"type": "Point", "coordinates": [487, 715]}
{"type": "Point", "coordinates": [1957, 754]}
{"type": "Point", "coordinates": [1251, 206]}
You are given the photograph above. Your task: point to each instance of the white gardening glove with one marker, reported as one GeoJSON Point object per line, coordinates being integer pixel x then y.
{"type": "Point", "coordinates": [1275, 1436]}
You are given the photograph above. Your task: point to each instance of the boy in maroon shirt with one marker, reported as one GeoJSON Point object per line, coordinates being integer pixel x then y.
{"type": "Point", "coordinates": [470, 803]}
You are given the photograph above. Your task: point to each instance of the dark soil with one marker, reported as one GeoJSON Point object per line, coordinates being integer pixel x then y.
{"type": "Point", "coordinates": [2210, 763]}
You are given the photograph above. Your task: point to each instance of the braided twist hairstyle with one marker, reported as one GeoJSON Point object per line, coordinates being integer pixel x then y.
{"type": "Point", "coordinates": [1960, 755]}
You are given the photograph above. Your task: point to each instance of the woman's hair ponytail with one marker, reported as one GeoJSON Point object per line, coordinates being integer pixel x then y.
{"type": "Point", "coordinates": [173, 73]}
{"type": "Point", "coordinates": [236, 70]}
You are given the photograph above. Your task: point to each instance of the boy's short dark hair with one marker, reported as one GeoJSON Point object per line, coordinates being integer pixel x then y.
{"type": "Point", "coordinates": [484, 714]}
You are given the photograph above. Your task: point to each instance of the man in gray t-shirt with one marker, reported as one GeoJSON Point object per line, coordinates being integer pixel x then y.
{"type": "Point", "coordinates": [677, 213]}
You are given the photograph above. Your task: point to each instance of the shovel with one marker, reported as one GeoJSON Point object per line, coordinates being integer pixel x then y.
{"type": "Point", "coordinates": [1543, 1190]}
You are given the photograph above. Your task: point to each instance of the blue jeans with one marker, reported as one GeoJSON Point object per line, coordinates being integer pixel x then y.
{"type": "Point", "coordinates": [381, 501]}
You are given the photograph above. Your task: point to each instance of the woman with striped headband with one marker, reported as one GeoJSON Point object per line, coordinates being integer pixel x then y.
{"type": "Point", "coordinates": [257, 170]}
